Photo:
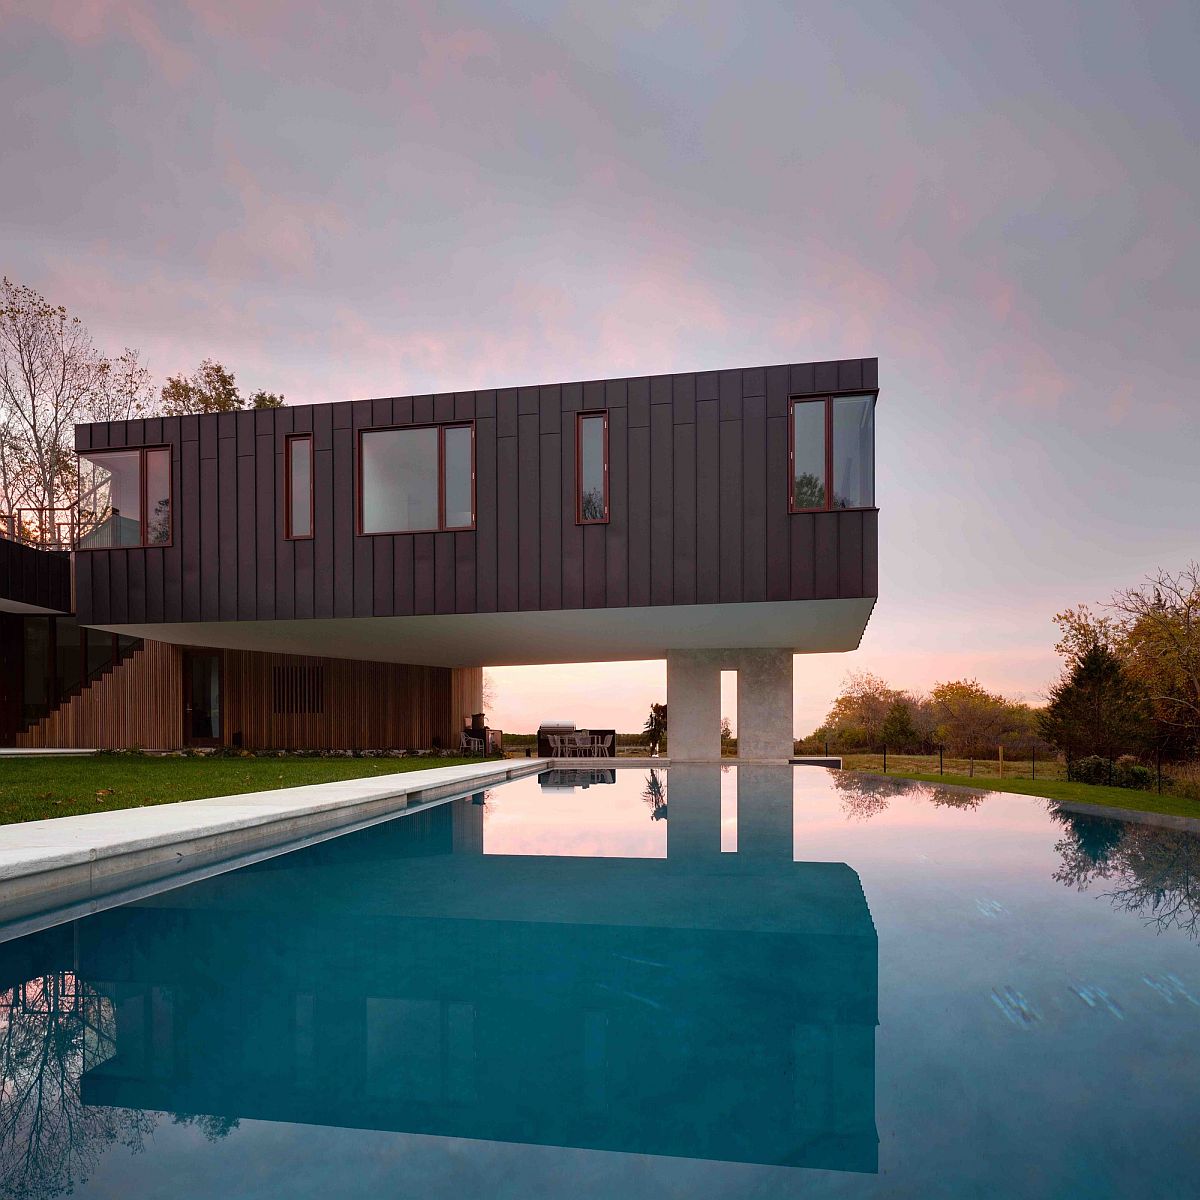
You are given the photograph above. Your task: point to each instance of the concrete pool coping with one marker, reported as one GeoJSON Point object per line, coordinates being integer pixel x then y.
{"type": "Point", "coordinates": [72, 860]}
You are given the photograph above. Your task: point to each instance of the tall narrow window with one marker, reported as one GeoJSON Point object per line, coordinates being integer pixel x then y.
{"type": "Point", "coordinates": [417, 480]}
{"type": "Point", "coordinates": [299, 454]}
{"type": "Point", "coordinates": [124, 498]}
{"type": "Point", "coordinates": [591, 458]}
{"type": "Point", "coordinates": [832, 453]}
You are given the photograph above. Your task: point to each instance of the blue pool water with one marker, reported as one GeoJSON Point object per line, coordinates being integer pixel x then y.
{"type": "Point", "coordinates": [750, 982]}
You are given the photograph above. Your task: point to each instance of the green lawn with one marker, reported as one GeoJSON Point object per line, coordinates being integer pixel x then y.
{"type": "Point", "coordinates": [34, 788]}
{"type": "Point", "coordinates": [1059, 789]}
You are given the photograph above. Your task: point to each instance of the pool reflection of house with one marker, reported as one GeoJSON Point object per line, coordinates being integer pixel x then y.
{"type": "Point", "coordinates": [707, 1005]}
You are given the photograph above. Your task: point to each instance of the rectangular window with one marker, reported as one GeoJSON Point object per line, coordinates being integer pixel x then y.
{"type": "Point", "coordinates": [125, 498]}
{"type": "Point", "coordinates": [591, 468]}
{"type": "Point", "coordinates": [831, 452]}
{"type": "Point", "coordinates": [417, 480]}
{"type": "Point", "coordinates": [298, 450]}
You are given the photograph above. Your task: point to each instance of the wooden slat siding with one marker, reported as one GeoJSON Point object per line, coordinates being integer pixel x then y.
{"type": "Point", "coordinates": [693, 518]}
{"type": "Point", "coordinates": [362, 705]}
{"type": "Point", "coordinates": [138, 704]}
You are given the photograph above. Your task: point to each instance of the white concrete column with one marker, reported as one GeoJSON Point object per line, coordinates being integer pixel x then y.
{"type": "Point", "coordinates": [764, 691]}
{"type": "Point", "coordinates": [693, 814]}
{"type": "Point", "coordinates": [694, 705]}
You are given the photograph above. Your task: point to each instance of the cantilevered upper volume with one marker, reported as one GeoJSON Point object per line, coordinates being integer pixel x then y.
{"type": "Point", "coordinates": [612, 519]}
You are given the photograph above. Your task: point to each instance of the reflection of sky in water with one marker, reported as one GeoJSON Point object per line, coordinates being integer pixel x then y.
{"type": "Point", "coordinates": [1038, 985]}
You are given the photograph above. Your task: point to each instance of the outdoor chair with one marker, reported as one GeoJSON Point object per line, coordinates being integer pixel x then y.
{"type": "Point", "coordinates": [583, 744]}
{"type": "Point", "coordinates": [470, 745]}
{"type": "Point", "coordinates": [603, 746]}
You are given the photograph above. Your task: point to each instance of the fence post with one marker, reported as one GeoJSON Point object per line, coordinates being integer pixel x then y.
{"type": "Point", "coordinates": [940, 749]}
{"type": "Point", "coordinates": [885, 759]}
{"type": "Point", "coordinates": [1001, 750]}
{"type": "Point", "coordinates": [1035, 762]}
{"type": "Point", "coordinates": [1158, 767]}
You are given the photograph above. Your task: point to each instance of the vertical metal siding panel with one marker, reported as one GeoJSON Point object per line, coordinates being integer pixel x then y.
{"type": "Point", "coordinates": [325, 578]}
{"type": "Point", "coordinates": [571, 532]}
{"type": "Point", "coordinates": [870, 373]}
{"type": "Point", "coordinates": [850, 554]}
{"type": "Point", "coordinates": [616, 532]}
{"type": "Point", "coordinates": [549, 518]}
{"type": "Point", "coordinates": [826, 375]}
{"type": "Point", "coordinates": [507, 515]}
{"type": "Point", "coordinates": [424, 586]}
{"type": "Point", "coordinates": [364, 553]}
{"type": "Point", "coordinates": [305, 579]}
{"type": "Point", "coordinates": [118, 584]}
{"type": "Point", "coordinates": [322, 421]}
{"type": "Point", "coordinates": [464, 572]}
{"type": "Point", "coordinates": [708, 386]}
{"type": "Point", "coordinates": [684, 532]}
{"type": "Point", "coordinates": [850, 374]}
{"type": "Point", "coordinates": [443, 573]}
{"type": "Point", "coordinates": [777, 391]}
{"type": "Point", "coordinates": [731, 395]}
{"type": "Point", "coordinates": [778, 535]}
{"type": "Point", "coordinates": [802, 527]}
{"type": "Point", "coordinates": [662, 502]}
{"type": "Point", "coordinates": [189, 518]}
{"type": "Point", "coordinates": [156, 561]}
{"type": "Point", "coordinates": [527, 401]}
{"type": "Point", "coordinates": [402, 410]}
{"type": "Point", "coordinates": [381, 577]}
{"type": "Point", "coordinates": [266, 533]}
{"type": "Point", "coordinates": [506, 413]}
{"type": "Point", "coordinates": [227, 523]}
{"type": "Point", "coordinates": [639, 403]}
{"type": "Point", "coordinates": [639, 510]}
{"type": "Point", "coordinates": [342, 501]}
{"type": "Point", "coordinates": [403, 577]}
{"type": "Point", "coordinates": [485, 510]}
{"type": "Point", "coordinates": [754, 382]}
{"type": "Point", "coordinates": [870, 554]}
{"type": "Point", "coordinates": [594, 570]}
{"type": "Point", "coordinates": [100, 594]}
{"type": "Point", "coordinates": [683, 398]}
{"type": "Point", "coordinates": [528, 531]}
{"type": "Point", "coordinates": [754, 496]}
{"type": "Point", "coordinates": [802, 378]}
{"type": "Point", "coordinates": [485, 404]}
{"type": "Point", "coordinates": [133, 602]}
{"type": "Point", "coordinates": [247, 550]}
{"type": "Point", "coordinates": [423, 409]}
{"type": "Point", "coordinates": [708, 501]}
{"type": "Point", "coordinates": [210, 540]}
{"type": "Point", "coordinates": [593, 394]}
{"type": "Point", "coordinates": [464, 406]}
{"type": "Point", "coordinates": [825, 555]}
{"type": "Point", "coordinates": [550, 409]}
{"type": "Point", "coordinates": [443, 407]}
{"type": "Point", "coordinates": [730, 580]}
{"type": "Point", "coordinates": [285, 550]}
{"type": "Point", "coordinates": [172, 561]}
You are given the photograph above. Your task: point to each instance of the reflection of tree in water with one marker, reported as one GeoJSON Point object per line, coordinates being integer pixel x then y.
{"type": "Point", "coordinates": [52, 1029]}
{"type": "Point", "coordinates": [49, 1140]}
{"type": "Point", "coordinates": [1154, 871]}
{"type": "Point", "coordinates": [866, 796]}
{"type": "Point", "coordinates": [655, 795]}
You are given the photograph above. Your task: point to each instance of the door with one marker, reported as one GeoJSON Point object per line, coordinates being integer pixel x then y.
{"type": "Point", "coordinates": [202, 698]}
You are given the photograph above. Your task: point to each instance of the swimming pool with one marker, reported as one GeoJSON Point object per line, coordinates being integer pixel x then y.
{"type": "Point", "coordinates": [703, 982]}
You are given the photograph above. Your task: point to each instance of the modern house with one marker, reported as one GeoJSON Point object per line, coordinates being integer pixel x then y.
{"type": "Point", "coordinates": [337, 575]}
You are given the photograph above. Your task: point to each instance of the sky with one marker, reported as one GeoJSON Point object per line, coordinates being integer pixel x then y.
{"type": "Point", "coordinates": [1000, 202]}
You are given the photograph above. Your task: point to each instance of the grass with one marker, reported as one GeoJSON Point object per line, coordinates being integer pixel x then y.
{"type": "Point", "coordinates": [1051, 785]}
{"type": "Point", "coordinates": [32, 789]}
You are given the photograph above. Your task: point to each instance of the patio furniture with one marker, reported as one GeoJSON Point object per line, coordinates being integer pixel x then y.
{"type": "Point", "coordinates": [583, 744]}
{"type": "Point", "coordinates": [469, 744]}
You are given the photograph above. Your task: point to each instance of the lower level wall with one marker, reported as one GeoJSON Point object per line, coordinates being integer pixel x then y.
{"type": "Point", "coordinates": [268, 702]}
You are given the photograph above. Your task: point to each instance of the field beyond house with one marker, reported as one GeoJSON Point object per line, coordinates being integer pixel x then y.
{"type": "Point", "coordinates": [32, 789]}
{"type": "Point", "coordinates": [1050, 783]}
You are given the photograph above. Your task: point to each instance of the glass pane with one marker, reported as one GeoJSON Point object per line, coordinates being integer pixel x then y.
{"type": "Point", "coordinates": [203, 697]}
{"type": "Point", "coordinates": [399, 480]}
{"type": "Point", "coordinates": [110, 499]}
{"type": "Point", "coordinates": [36, 666]}
{"type": "Point", "coordinates": [591, 468]}
{"type": "Point", "coordinates": [300, 466]}
{"type": "Point", "coordinates": [459, 506]}
{"type": "Point", "coordinates": [854, 452]}
{"type": "Point", "coordinates": [68, 650]}
{"type": "Point", "coordinates": [808, 454]}
{"type": "Point", "coordinates": [158, 497]}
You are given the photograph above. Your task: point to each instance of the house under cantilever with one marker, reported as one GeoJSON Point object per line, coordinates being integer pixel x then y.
{"type": "Point", "coordinates": [338, 574]}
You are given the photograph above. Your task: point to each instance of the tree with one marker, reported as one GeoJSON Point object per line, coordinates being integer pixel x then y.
{"type": "Point", "coordinates": [212, 387]}
{"type": "Point", "coordinates": [857, 715]}
{"type": "Point", "coordinates": [1095, 708]}
{"type": "Point", "coordinates": [726, 730]}
{"type": "Point", "coordinates": [970, 719]}
{"type": "Point", "coordinates": [655, 728]}
{"type": "Point", "coordinates": [52, 376]}
{"type": "Point", "coordinates": [898, 731]}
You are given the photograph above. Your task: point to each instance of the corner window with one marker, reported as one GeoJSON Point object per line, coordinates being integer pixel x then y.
{"type": "Point", "coordinates": [831, 453]}
{"type": "Point", "coordinates": [298, 454]}
{"type": "Point", "coordinates": [591, 468]}
{"type": "Point", "coordinates": [124, 498]}
{"type": "Point", "coordinates": [417, 480]}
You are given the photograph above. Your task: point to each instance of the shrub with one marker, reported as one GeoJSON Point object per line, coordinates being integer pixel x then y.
{"type": "Point", "coordinates": [1125, 772]}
